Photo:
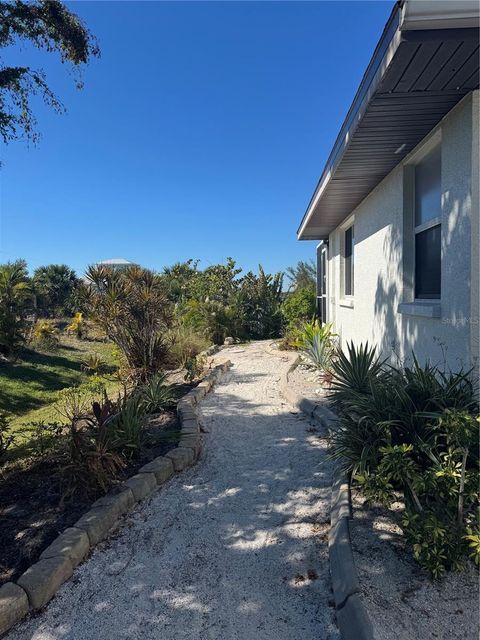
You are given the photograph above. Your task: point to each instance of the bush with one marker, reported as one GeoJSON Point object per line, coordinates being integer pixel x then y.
{"type": "Point", "coordinates": [185, 343]}
{"type": "Point", "coordinates": [316, 341]}
{"type": "Point", "coordinates": [194, 367]}
{"type": "Point", "coordinates": [46, 335]}
{"type": "Point", "coordinates": [258, 306]}
{"type": "Point", "coordinates": [43, 436]}
{"type": "Point", "coordinates": [413, 431]}
{"type": "Point", "coordinates": [299, 307]}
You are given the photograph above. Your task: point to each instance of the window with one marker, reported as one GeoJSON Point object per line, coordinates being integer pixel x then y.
{"type": "Point", "coordinates": [348, 262]}
{"type": "Point", "coordinates": [427, 226]}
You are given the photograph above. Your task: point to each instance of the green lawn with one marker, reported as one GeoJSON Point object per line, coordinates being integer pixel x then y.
{"type": "Point", "coordinates": [29, 387]}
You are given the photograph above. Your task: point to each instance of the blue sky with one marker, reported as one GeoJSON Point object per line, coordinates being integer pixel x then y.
{"type": "Point", "coordinates": [201, 132]}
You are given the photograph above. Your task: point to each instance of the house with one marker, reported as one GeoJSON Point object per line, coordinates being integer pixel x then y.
{"type": "Point", "coordinates": [396, 209]}
{"type": "Point", "coordinates": [117, 264]}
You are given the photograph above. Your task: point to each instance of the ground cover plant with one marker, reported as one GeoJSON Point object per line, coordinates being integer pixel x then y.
{"type": "Point", "coordinates": [412, 432]}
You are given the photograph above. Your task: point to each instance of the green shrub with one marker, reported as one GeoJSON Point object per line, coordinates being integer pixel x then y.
{"type": "Point", "coordinates": [186, 343]}
{"type": "Point", "coordinates": [299, 307]}
{"type": "Point", "coordinates": [316, 341]}
{"type": "Point", "coordinates": [194, 367]}
{"type": "Point", "coordinates": [413, 431]}
{"type": "Point", "coordinates": [43, 436]}
{"type": "Point", "coordinates": [258, 306]}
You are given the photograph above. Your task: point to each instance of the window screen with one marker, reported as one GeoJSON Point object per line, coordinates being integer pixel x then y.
{"type": "Point", "coordinates": [428, 230]}
{"type": "Point", "coordinates": [427, 263]}
{"type": "Point", "coordinates": [428, 196]}
{"type": "Point", "coordinates": [348, 262]}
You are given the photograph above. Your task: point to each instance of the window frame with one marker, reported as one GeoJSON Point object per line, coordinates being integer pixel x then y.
{"type": "Point", "coordinates": [429, 224]}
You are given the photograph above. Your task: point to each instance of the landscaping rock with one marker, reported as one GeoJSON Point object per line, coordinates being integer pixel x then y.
{"type": "Point", "coordinates": [142, 485]}
{"type": "Point", "coordinates": [98, 521]}
{"type": "Point", "coordinates": [181, 458]}
{"type": "Point", "coordinates": [73, 544]}
{"type": "Point", "coordinates": [190, 426]}
{"type": "Point", "coordinates": [121, 502]}
{"type": "Point", "coordinates": [43, 579]}
{"type": "Point", "coordinates": [191, 442]}
{"type": "Point", "coordinates": [13, 605]}
{"type": "Point", "coordinates": [229, 341]}
{"type": "Point", "coordinates": [353, 620]}
{"type": "Point", "coordinates": [161, 467]}
{"type": "Point", "coordinates": [186, 411]}
{"type": "Point", "coordinates": [342, 567]}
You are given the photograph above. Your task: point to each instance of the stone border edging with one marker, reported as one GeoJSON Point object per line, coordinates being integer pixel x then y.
{"type": "Point", "coordinates": [39, 583]}
{"type": "Point", "coordinates": [352, 617]}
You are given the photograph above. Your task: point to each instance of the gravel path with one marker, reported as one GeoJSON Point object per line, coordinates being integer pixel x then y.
{"type": "Point", "coordinates": [233, 549]}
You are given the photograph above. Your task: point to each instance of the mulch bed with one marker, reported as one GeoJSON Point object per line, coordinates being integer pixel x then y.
{"type": "Point", "coordinates": [31, 510]}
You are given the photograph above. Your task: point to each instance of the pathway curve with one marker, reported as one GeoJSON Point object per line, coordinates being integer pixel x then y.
{"type": "Point", "coordinates": [232, 549]}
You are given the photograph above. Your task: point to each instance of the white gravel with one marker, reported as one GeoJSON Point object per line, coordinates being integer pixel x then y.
{"type": "Point", "coordinates": [403, 602]}
{"type": "Point", "coordinates": [233, 549]}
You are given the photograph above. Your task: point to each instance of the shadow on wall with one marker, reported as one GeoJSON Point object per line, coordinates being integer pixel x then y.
{"type": "Point", "coordinates": [443, 341]}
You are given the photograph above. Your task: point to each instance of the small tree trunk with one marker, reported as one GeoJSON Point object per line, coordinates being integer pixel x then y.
{"type": "Point", "coordinates": [462, 487]}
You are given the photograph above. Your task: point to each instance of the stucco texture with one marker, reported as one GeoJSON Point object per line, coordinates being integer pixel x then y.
{"type": "Point", "coordinates": [380, 283]}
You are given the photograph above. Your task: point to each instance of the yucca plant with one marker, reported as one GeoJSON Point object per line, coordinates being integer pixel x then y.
{"type": "Point", "coordinates": [132, 308]}
{"type": "Point", "coordinates": [353, 372]}
{"type": "Point", "coordinates": [155, 394]}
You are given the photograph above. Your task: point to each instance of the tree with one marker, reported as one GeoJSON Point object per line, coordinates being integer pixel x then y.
{"type": "Point", "coordinates": [15, 302]}
{"type": "Point", "coordinates": [49, 25]}
{"type": "Point", "coordinates": [54, 285]}
{"type": "Point", "coordinates": [258, 303]}
{"type": "Point", "coordinates": [303, 275]}
{"type": "Point", "coordinates": [133, 310]}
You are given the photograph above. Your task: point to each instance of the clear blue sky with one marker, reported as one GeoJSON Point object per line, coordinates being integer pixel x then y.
{"type": "Point", "coordinates": [201, 132]}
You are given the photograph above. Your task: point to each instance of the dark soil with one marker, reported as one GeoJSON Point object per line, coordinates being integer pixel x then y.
{"type": "Point", "coordinates": [32, 512]}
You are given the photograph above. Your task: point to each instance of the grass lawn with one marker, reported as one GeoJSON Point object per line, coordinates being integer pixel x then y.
{"type": "Point", "coordinates": [29, 387]}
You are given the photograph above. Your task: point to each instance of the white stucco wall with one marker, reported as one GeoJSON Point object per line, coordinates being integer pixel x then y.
{"type": "Point", "coordinates": [379, 244]}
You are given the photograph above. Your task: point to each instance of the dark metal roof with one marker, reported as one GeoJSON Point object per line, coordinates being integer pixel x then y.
{"type": "Point", "coordinates": [414, 79]}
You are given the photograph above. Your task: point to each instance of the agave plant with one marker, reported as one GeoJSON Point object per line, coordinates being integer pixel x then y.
{"type": "Point", "coordinates": [156, 394]}
{"type": "Point", "coordinates": [93, 363]}
{"type": "Point", "coordinates": [316, 341]}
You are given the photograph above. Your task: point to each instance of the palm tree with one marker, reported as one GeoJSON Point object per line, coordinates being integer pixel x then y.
{"type": "Point", "coordinates": [54, 285]}
{"type": "Point", "coordinates": [15, 302]}
{"type": "Point", "coordinates": [302, 276]}
{"type": "Point", "coordinates": [132, 308]}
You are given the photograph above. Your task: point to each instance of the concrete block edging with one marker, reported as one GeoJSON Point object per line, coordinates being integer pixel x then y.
{"type": "Point", "coordinates": [39, 583]}
{"type": "Point", "coordinates": [352, 617]}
